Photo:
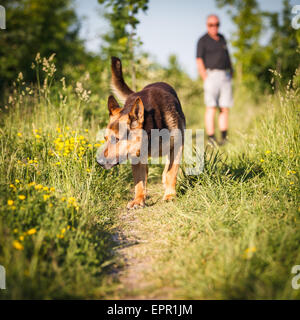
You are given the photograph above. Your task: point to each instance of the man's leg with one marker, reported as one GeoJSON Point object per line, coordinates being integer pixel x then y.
{"type": "Point", "coordinates": [210, 124]}
{"type": "Point", "coordinates": [226, 101]}
{"type": "Point", "coordinates": [223, 123]}
{"type": "Point", "coordinates": [210, 120]}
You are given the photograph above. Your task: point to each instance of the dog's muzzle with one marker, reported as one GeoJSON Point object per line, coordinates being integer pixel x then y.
{"type": "Point", "coordinates": [104, 163]}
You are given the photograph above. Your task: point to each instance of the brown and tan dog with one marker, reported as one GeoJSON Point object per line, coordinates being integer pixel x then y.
{"type": "Point", "coordinates": [154, 107]}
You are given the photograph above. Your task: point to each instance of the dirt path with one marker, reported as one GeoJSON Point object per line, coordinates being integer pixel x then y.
{"type": "Point", "coordinates": [138, 242]}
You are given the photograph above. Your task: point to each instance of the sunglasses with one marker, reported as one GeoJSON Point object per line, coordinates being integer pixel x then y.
{"type": "Point", "coordinates": [213, 24]}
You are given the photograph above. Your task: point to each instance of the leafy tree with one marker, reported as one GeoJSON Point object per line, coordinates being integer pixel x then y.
{"type": "Point", "coordinates": [253, 60]}
{"type": "Point", "coordinates": [120, 40]}
{"type": "Point", "coordinates": [34, 26]}
{"type": "Point", "coordinates": [283, 45]}
{"type": "Point", "coordinates": [249, 21]}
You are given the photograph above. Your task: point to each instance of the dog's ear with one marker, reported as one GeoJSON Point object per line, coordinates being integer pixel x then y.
{"type": "Point", "coordinates": [136, 113]}
{"type": "Point", "coordinates": [113, 106]}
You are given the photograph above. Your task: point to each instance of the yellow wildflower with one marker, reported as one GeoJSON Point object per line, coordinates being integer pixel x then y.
{"type": "Point", "coordinates": [31, 231]}
{"type": "Point", "coordinates": [71, 200]}
{"type": "Point", "coordinates": [46, 197]}
{"type": "Point", "coordinates": [19, 134]}
{"type": "Point", "coordinates": [262, 160]}
{"type": "Point", "coordinates": [21, 238]}
{"type": "Point", "coordinates": [17, 245]}
{"type": "Point", "coordinates": [22, 197]}
{"type": "Point", "coordinates": [10, 202]}
{"type": "Point", "coordinates": [268, 151]}
{"type": "Point", "coordinates": [252, 249]}
{"type": "Point", "coordinates": [17, 181]}
{"type": "Point", "coordinates": [249, 252]}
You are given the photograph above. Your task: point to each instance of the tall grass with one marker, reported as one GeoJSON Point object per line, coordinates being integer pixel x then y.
{"type": "Point", "coordinates": [232, 233]}
{"type": "Point", "coordinates": [55, 202]}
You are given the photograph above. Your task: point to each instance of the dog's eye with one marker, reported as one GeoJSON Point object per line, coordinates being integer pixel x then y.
{"type": "Point", "coordinates": [114, 140]}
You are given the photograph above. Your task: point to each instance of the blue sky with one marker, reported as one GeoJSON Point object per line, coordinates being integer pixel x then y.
{"type": "Point", "coordinates": [169, 26]}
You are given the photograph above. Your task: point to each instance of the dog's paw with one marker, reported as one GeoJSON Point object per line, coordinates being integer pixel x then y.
{"type": "Point", "coordinates": [169, 196]}
{"type": "Point", "coordinates": [136, 204]}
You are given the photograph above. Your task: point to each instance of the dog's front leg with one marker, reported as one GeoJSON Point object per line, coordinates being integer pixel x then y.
{"type": "Point", "coordinates": [140, 172]}
{"type": "Point", "coordinates": [170, 174]}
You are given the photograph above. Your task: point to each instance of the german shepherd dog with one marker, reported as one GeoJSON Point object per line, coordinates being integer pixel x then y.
{"type": "Point", "coordinates": [155, 107]}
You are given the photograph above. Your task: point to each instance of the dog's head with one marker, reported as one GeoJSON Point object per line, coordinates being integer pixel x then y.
{"type": "Point", "coordinates": [123, 135]}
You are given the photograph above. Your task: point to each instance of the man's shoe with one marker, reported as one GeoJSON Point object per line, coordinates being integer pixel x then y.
{"type": "Point", "coordinates": [223, 142]}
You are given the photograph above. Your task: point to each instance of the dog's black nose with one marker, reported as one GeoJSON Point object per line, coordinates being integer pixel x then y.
{"type": "Point", "coordinates": [105, 164]}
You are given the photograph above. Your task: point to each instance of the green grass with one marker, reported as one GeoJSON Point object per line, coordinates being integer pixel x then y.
{"type": "Point", "coordinates": [48, 158]}
{"type": "Point", "coordinates": [232, 233]}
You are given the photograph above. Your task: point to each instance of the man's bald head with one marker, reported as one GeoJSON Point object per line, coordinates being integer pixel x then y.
{"type": "Point", "coordinates": [212, 24]}
{"type": "Point", "coordinates": [214, 16]}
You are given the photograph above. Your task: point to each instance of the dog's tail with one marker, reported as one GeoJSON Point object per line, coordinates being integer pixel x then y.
{"type": "Point", "coordinates": [118, 84]}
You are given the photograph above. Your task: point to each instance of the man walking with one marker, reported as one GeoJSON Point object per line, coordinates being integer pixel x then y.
{"type": "Point", "coordinates": [214, 67]}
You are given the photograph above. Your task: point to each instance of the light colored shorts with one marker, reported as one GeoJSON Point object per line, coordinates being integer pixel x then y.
{"type": "Point", "coordinates": [218, 89]}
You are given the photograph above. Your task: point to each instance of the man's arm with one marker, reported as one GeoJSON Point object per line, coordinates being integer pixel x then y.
{"type": "Point", "coordinates": [231, 69]}
{"type": "Point", "coordinates": [230, 64]}
{"type": "Point", "coordinates": [201, 68]}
